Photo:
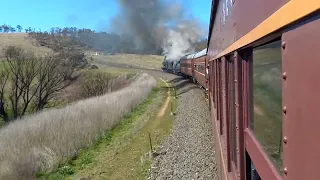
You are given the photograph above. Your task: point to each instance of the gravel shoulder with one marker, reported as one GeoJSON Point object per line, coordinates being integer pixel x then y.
{"type": "Point", "coordinates": [188, 151]}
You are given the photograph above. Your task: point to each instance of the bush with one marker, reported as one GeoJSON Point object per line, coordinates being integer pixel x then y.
{"type": "Point", "coordinates": [96, 83]}
{"type": "Point", "coordinates": [41, 141]}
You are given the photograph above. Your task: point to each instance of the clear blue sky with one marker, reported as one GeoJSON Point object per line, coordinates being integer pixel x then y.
{"type": "Point", "coordinates": [93, 14]}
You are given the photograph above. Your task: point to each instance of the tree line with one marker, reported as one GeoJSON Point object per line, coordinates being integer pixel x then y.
{"type": "Point", "coordinates": [87, 39]}
{"type": "Point", "coordinates": [58, 38]}
{"type": "Point", "coordinates": [97, 41]}
{"type": "Point", "coordinates": [11, 29]}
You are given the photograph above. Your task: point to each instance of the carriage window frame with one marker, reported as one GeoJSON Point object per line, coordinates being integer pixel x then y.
{"type": "Point", "coordinates": [252, 144]}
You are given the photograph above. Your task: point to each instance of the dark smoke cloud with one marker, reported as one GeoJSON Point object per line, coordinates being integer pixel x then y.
{"type": "Point", "coordinates": [156, 24]}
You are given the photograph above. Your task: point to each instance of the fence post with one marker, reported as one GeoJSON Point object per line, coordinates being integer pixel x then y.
{"type": "Point", "coordinates": [150, 143]}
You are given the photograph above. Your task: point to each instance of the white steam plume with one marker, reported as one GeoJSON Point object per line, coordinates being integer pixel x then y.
{"type": "Point", "coordinates": [156, 24]}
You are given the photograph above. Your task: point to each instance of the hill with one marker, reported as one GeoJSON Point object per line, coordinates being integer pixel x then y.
{"type": "Point", "coordinates": [134, 60]}
{"type": "Point", "coordinates": [22, 40]}
{"type": "Point", "coordinates": [130, 61]}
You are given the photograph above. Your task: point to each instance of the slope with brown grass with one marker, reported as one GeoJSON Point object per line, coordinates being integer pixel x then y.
{"type": "Point", "coordinates": [123, 152]}
{"type": "Point", "coordinates": [41, 141]}
{"type": "Point", "coordinates": [22, 40]}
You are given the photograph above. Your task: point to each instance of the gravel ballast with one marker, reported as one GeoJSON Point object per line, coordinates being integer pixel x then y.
{"type": "Point", "coordinates": [188, 151]}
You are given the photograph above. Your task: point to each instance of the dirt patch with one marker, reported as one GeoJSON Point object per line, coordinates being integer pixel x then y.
{"type": "Point", "coordinates": [165, 105]}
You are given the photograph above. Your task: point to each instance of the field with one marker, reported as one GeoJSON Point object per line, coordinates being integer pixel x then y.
{"type": "Point", "coordinates": [131, 61]}
{"type": "Point", "coordinates": [267, 99]}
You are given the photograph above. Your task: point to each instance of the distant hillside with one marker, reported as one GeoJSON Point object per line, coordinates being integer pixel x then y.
{"type": "Point", "coordinates": [87, 39]}
{"type": "Point", "coordinates": [130, 60]}
{"type": "Point", "coordinates": [22, 40]}
{"type": "Point", "coordinates": [30, 43]}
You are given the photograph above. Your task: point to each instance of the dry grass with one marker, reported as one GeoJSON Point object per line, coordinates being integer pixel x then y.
{"type": "Point", "coordinates": [141, 61]}
{"type": "Point", "coordinates": [123, 152]}
{"type": "Point", "coordinates": [22, 40]}
{"type": "Point", "coordinates": [41, 141]}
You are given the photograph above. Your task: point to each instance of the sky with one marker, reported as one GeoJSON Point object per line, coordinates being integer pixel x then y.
{"type": "Point", "coordinates": [92, 14]}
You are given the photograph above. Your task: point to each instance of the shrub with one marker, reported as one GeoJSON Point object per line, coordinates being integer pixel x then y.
{"type": "Point", "coordinates": [96, 83]}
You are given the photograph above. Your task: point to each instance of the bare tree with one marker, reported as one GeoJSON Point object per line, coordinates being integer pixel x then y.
{"type": "Point", "coordinates": [22, 68]}
{"type": "Point", "coordinates": [30, 30]}
{"type": "Point", "coordinates": [28, 83]}
{"type": "Point", "coordinates": [3, 81]}
{"type": "Point", "coordinates": [19, 27]}
{"type": "Point", "coordinates": [56, 73]}
{"type": "Point", "coordinates": [5, 28]}
{"type": "Point", "coordinates": [12, 29]}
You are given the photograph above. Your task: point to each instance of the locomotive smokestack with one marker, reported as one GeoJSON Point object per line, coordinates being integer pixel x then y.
{"type": "Point", "coordinates": [156, 25]}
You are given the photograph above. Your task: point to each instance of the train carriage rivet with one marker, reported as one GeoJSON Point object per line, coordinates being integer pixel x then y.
{"type": "Point", "coordinates": [285, 140]}
{"type": "Point", "coordinates": [283, 45]}
{"type": "Point", "coordinates": [284, 75]}
{"type": "Point", "coordinates": [285, 170]}
{"type": "Point", "coordinates": [284, 109]}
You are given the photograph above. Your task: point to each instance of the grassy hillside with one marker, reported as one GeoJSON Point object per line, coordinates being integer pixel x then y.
{"type": "Point", "coordinates": [20, 39]}
{"type": "Point", "coordinates": [134, 60]}
{"type": "Point", "coordinates": [141, 61]}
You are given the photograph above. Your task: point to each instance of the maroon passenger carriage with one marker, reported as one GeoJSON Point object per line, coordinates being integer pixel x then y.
{"type": "Point", "coordinates": [186, 65]}
{"type": "Point", "coordinates": [199, 68]}
{"type": "Point", "coordinates": [264, 62]}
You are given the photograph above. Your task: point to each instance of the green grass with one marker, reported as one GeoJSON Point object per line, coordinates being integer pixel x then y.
{"type": "Point", "coordinates": [267, 98]}
{"type": "Point", "coordinates": [122, 152]}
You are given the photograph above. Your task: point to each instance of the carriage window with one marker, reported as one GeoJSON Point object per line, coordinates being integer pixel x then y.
{"type": "Point", "coordinates": [266, 119]}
